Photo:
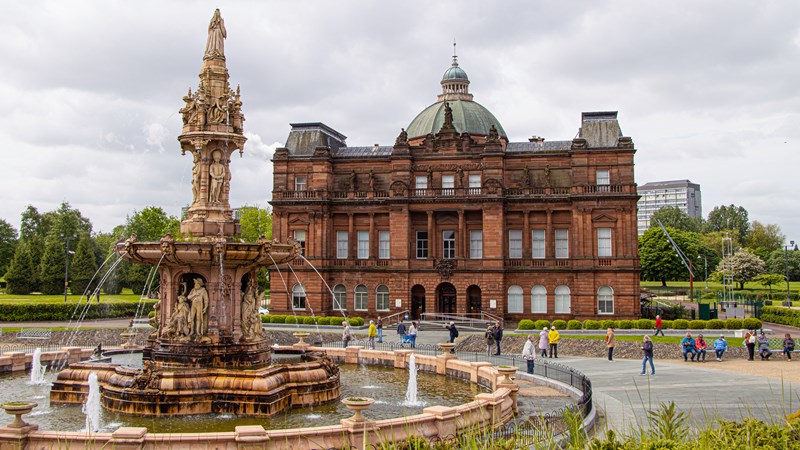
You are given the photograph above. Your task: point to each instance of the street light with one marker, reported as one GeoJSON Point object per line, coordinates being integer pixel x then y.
{"type": "Point", "coordinates": [705, 268]}
{"type": "Point", "coordinates": [786, 252]}
{"type": "Point", "coordinates": [67, 253]}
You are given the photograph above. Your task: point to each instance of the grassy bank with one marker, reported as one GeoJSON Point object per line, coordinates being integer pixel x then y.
{"type": "Point", "coordinates": [10, 299]}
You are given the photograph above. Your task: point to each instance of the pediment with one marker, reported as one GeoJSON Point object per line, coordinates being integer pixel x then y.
{"type": "Point", "coordinates": [298, 221]}
{"type": "Point", "coordinates": [603, 217]}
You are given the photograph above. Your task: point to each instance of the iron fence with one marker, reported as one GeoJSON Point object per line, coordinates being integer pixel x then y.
{"type": "Point", "coordinates": [30, 348]}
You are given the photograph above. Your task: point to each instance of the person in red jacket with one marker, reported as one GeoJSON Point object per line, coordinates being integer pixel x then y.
{"type": "Point", "coordinates": [658, 326]}
{"type": "Point", "coordinates": [700, 347]}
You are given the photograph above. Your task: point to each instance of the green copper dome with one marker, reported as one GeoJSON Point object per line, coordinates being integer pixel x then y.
{"type": "Point", "coordinates": [468, 116]}
{"type": "Point", "coordinates": [454, 73]}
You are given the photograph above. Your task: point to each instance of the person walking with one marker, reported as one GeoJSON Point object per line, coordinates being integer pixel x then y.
{"type": "Point", "coordinates": [489, 336]}
{"type": "Point", "coordinates": [529, 352]}
{"type": "Point", "coordinates": [498, 336]}
{"type": "Point", "coordinates": [763, 347]}
{"type": "Point", "coordinates": [720, 345]}
{"type": "Point", "coordinates": [412, 334]}
{"type": "Point", "coordinates": [647, 349]}
{"type": "Point", "coordinates": [372, 333]}
{"type": "Point", "coordinates": [659, 324]}
{"type": "Point", "coordinates": [788, 346]}
{"type": "Point", "coordinates": [610, 341]}
{"type": "Point", "coordinates": [401, 331]}
{"type": "Point", "coordinates": [453, 331]}
{"type": "Point", "coordinates": [345, 334]}
{"type": "Point", "coordinates": [380, 330]}
{"type": "Point", "coordinates": [700, 347]}
{"type": "Point", "coordinates": [552, 337]}
{"type": "Point", "coordinates": [687, 347]}
{"type": "Point", "coordinates": [544, 341]}
{"type": "Point", "coordinates": [750, 343]}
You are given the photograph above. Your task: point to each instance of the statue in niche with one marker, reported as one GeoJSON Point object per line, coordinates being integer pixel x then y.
{"type": "Point", "coordinates": [430, 177]}
{"type": "Point", "coordinates": [199, 312]}
{"type": "Point", "coordinates": [526, 177]}
{"type": "Point", "coordinates": [218, 110]}
{"type": "Point", "coordinates": [547, 175]}
{"type": "Point", "coordinates": [179, 322]}
{"type": "Point", "coordinates": [217, 174]}
{"type": "Point", "coordinates": [251, 321]}
{"type": "Point", "coordinates": [493, 136]}
{"type": "Point", "coordinates": [215, 45]}
{"type": "Point", "coordinates": [196, 178]}
{"type": "Point", "coordinates": [189, 111]}
{"type": "Point", "coordinates": [353, 181]}
{"type": "Point", "coordinates": [459, 177]}
{"type": "Point", "coordinates": [371, 180]}
{"type": "Point", "coordinates": [402, 138]}
{"type": "Point", "coordinates": [155, 321]}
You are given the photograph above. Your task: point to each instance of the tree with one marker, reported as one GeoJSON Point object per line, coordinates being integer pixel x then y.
{"type": "Point", "coordinates": [150, 224]}
{"type": "Point", "coordinates": [33, 230]}
{"type": "Point", "coordinates": [66, 225]}
{"type": "Point", "coordinates": [729, 218]}
{"type": "Point", "coordinates": [53, 266]}
{"type": "Point", "coordinates": [674, 217]}
{"type": "Point", "coordinates": [768, 280]}
{"type": "Point", "coordinates": [713, 241]}
{"type": "Point", "coordinates": [776, 263]}
{"type": "Point", "coordinates": [658, 259]}
{"type": "Point", "coordinates": [18, 278]}
{"type": "Point", "coordinates": [255, 222]}
{"type": "Point", "coordinates": [745, 266]}
{"type": "Point", "coordinates": [83, 267]}
{"type": "Point", "coordinates": [764, 239]}
{"type": "Point", "coordinates": [8, 241]}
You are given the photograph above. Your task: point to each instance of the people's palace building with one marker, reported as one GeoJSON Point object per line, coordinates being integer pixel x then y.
{"type": "Point", "coordinates": [455, 219]}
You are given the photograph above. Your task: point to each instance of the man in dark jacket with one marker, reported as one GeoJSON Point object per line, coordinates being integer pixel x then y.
{"type": "Point", "coordinates": [453, 331]}
{"type": "Point", "coordinates": [401, 331]}
{"type": "Point", "coordinates": [498, 336]}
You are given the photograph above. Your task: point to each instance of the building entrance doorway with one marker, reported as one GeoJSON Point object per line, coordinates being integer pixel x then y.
{"type": "Point", "coordinates": [474, 299]}
{"type": "Point", "coordinates": [417, 302]}
{"type": "Point", "coordinates": [446, 299]}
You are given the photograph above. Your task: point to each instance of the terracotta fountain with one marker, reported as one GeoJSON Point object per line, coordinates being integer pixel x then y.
{"type": "Point", "coordinates": [208, 353]}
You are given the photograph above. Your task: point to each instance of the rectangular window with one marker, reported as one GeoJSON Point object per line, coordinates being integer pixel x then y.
{"type": "Point", "coordinates": [448, 184]}
{"type": "Point", "coordinates": [300, 183]}
{"type": "Point", "coordinates": [363, 244]}
{"type": "Point", "coordinates": [300, 237]}
{"type": "Point", "coordinates": [604, 242]}
{"type": "Point", "coordinates": [422, 244]}
{"type": "Point", "coordinates": [382, 299]}
{"type": "Point", "coordinates": [562, 243]}
{"type": "Point", "coordinates": [383, 244]}
{"type": "Point", "coordinates": [341, 244]}
{"type": "Point", "coordinates": [475, 181]}
{"type": "Point", "coordinates": [448, 244]}
{"type": "Point", "coordinates": [421, 184]}
{"type": "Point", "coordinates": [476, 244]}
{"type": "Point", "coordinates": [603, 177]}
{"type": "Point", "coordinates": [515, 244]}
{"type": "Point", "coordinates": [537, 244]}
{"type": "Point", "coordinates": [539, 300]}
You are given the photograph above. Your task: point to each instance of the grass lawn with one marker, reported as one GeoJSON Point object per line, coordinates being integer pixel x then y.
{"type": "Point", "coordinates": [41, 298]}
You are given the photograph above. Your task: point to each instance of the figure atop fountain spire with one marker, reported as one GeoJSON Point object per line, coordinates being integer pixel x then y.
{"type": "Point", "coordinates": [215, 45]}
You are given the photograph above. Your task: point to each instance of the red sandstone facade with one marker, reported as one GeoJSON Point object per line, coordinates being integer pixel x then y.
{"type": "Point", "coordinates": [459, 220]}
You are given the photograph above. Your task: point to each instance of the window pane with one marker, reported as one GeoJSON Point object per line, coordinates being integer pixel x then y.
{"type": "Point", "coordinates": [300, 183]}
{"type": "Point", "coordinates": [363, 244]}
{"type": "Point", "coordinates": [298, 297]}
{"type": "Point", "coordinates": [339, 297]}
{"type": "Point", "coordinates": [475, 181]}
{"type": "Point", "coordinates": [537, 243]}
{"type": "Point", "coordinates": [515, 300]}
{"type": "Point", "coordinates": [539, 299]}
{"type": "Point", "coordinates": [562, 298]}
{"type": "Point", "coordinates": [421, 182]}
{"type": "Point", "coordinates": [383, 244]}
{"type": "Point", "coordinates": [476, 244]}
{"type": "Point", "coordinates": [515, 244]}
{"type": "Point", "coordinates": [448, 244]}
{"type": "Point", "coordinates": [382, 298]}
{"type": "Point", "coordinates": [605, 300]}
{"type": "Point", "coordinates": [341, 244]}
{"type": "Point", "coordinates": [604, 242]}
{"type": "Point", "coordinates": [603, 177]}
{"type": "Point", "coordinates": [360, 298]}
{"type": "Point", "coordinates": [422, 244]}
{"type": "Point", "coordinates": [300, 236]}
{"type": "Point", "coordinates": [448, 183]}
{"type": "Point", "coordinates": [562, 243]}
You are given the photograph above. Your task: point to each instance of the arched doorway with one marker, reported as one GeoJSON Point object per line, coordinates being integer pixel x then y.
{"type": "Point", "coordinates": [446, 299]}
{"type": "Point", "coordinates": [474, 299]}
{"type": "Point", "coordinates": [417, 302]}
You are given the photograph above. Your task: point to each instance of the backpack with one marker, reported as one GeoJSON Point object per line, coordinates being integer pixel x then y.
{"type": "Point", "coordinates": [455, 332]}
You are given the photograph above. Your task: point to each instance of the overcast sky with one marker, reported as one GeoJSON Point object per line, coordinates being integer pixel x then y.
{"type": "Point", "coordinates": [90, 90]}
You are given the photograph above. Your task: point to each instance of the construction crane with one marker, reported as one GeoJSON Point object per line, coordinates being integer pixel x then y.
{"type": "Point", "coordinates": [684, 259]}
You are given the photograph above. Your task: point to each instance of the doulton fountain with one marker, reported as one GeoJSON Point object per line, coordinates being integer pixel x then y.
{"type": "Point", "coordinates": [208, 353]}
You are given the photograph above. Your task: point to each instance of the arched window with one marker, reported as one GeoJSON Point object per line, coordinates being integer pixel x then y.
{"type": "Point", "coordinates": [382, 298]}
{"type": "Point", "coordinates": [339, 297]}
{"type": "Point", "coordinates": [562, 300]}
{"type": "Point", "coordinates": [539, 299]}
{"type": "Point", "coordinates": [514, 300]}
{"type": "Point", "coordinates": [360, 299]}
{"type": "Point", "coordinates": [298, 297]}
{"type": "Point", "coordinates": [605, 300]}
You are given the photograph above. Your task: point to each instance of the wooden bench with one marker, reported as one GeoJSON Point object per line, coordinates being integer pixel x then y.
{"type": "Point", "coordinates": [35, 333]}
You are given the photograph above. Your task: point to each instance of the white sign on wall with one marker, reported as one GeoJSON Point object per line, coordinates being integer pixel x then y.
{"type": "Point", "coordinates": [398, 303]}
{"type": "Point", "coordinates": [492, 304]}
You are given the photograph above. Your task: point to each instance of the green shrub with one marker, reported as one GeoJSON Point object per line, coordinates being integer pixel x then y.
{"type": "Point", "coordinates": [355, 321]}
{"type": "Point", "coordinates": [560, 324]}
{"type": "Point", "coordinates": [780, 315]}
{"type": "Point", "coordinates": [541, 323]}
{"type": "Point", "coordinates": [574, 325]}
{"type": "Point", "coordinates": [337, 321]}
{"type": "Point", "coordinates": [591, 324]}
{"type": "Point", "coordinates": [309, 320]}
{"type": "Point", "coordinates": [751, 323]}
{"type": "Point", "coordinates": [646, 324]}
{"type": "Point", "coordinates": [607, 324]}
{"type": "Point", "coordinates": [715, 324]}
{"type": "Point", "coordinates": [265, 318]}
{"type": "Point", "coordinates": [291, 320]}
{"type": "Point", "coordinates": [525, 324]}
{"type": "Point", "coordinates": [278, 318]}
{"type": "Point", "coordinates": [29, 312]}
{"type": "Point", "coordinates": [324, 321]}
{"type": "Point", "coordinates": [666, 324]}
{"type": "Point", "coordinates": [680, 324]}
{"type": "Point", "coordinates": [733, 324]}
{"type": "Point", "coordinates": [625, 324]}
{"type": "Point", "coordinates": [697, 325]}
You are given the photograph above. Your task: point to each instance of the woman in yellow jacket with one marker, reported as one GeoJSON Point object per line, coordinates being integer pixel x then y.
{"type": "Point", "coordinates": [553, 336]}
{"type": "Point", "coordinates": [372, 332]}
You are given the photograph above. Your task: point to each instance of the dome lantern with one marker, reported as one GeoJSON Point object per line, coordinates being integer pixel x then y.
{"type": "Point", "coordinates": [455, 83]}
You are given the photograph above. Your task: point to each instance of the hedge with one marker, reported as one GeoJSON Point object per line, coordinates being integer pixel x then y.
{"type": "Point", "coordinates": [697, 325]}
{"type": "Point", "coordinates": [666, 324]}
{"type": "Point", "coordinates": [356, 321]}
{"type": "Point", "coordinates": [309, 320]}
{"type": "Point", "coordinates": [715, 324]}
{"type": "Point", "coordinates": [560, 324]}
{"type": "Point", "coordinates": [29, 312]}
{"type": "Point", "coordinates": [646, 324]}
{"type": "Point", "coordinates": [292, 320]}
{"type": "Point", "coordinates": [591, 324]}
{"type": "Point", "coordinates": [324, 321]}
{"type": "Point", "coordinates": [607, 324]}
{"type": "Point", "coordinates": [751, 323]}
{"type": "Point", "coordinates": [539, 324]}
{"type": "Point", "coordinates": [779, 315]}
{"type": "Point", "coordinates": [526, 324]}
{"type": "Point", "coordinates": [680, 324]}
{"type": "Point", "coordinates": [574, 325]}
{"type": "Point", "coordinates": [626, 324]}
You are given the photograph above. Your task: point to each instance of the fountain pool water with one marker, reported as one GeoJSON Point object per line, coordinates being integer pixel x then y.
{"type": "Point", "coordinates": [384, 384]}
{"type": "Point", "coordinates": [92, 406]}
{"type": "Point", "coordinates": [37, 368]}
{"type": "Point", "coordinates": [411, 390]}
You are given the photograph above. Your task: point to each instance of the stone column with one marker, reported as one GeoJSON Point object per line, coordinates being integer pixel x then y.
{"type": "Point", "coordinates": [550, 237]}
{"type": "Point", "coordinates": [526, 235]}
{"type": "Point", "coordinates": [431, 247]}
{"type": "Point", "coordinates": [351, 237]}
{"type": "Point", "coordinates": [373, 252]}
{"type": "Point", "coordinates": [461, 248]}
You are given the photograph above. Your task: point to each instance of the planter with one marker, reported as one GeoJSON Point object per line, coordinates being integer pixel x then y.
{"type": "Point", "coordinates": [301, 335]}
{"type": "Point", "coordinates": [357, 404]}
{"type": "Point", "coordinates": [17, 409]}
{"type": "Point", "coordinates": [507, 372]}
{"type": "Point", "coordinates": [447, 348]}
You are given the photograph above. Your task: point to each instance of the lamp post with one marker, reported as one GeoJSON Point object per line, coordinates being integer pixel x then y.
{"type": "Point", "coordinates": [67, 252]}
{"type": "Point", "coordinates": [705, 268]}
{"type": "Point", "coordinates": [786, 252]}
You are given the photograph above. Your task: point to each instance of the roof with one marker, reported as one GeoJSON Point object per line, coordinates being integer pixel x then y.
{"type": "Point", "coordinates": [305, 137]}
{"type": "Point", "coordinates": [667, 185]}
{"type": "Point", "coordinates": [359, 152]}
{"type": "Point", "coordinates": [468, 116]}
